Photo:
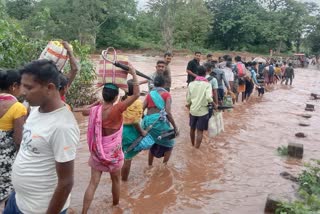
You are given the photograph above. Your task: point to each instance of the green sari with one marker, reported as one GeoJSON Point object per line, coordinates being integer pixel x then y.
{"type": "Point", "coordinates": [162, 124]}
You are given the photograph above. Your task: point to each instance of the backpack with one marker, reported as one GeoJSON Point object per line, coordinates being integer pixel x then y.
{"type": "Point", "coordinates": [241, 71]}
{"type": "Point", "coordinates": [271, 70]}
{"type": "Point", "coordinates": [210, 78]}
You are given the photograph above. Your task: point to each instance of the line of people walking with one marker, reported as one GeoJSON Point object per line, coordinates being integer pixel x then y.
{"type": "Point", "coordinates": [39, 141]}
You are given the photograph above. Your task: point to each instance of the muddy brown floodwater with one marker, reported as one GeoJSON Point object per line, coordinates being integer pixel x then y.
{"type": "Point", "coordinates": [231, 173]}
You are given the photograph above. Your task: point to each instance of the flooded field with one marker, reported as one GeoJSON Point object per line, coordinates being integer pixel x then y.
{"type": "Point", "coordinates": [231, 173]}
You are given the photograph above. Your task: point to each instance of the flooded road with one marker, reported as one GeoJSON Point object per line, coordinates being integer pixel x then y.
{"type": "Point", "coordinates": [231, 173]}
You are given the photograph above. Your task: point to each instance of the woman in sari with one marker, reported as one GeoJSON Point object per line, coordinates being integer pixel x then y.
{"type": "Point", "coordinates": [131, 130]}
{"type": "Point", "coordinates": [12, 118]}
{"type": "Point", "coordinates": [158, 105]}
{"type": "Point", "coordinates": [105, 138]}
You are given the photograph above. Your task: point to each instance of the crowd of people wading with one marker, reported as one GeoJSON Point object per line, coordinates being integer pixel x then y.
{"type": "Point", "coordinates": [39, 137]}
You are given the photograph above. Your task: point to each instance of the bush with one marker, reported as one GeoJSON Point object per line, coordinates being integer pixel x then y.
{"type": "Point", "coordinates": [309, 192]}
{"type": "Point", "coordinates": [282, 150]}
{"type": "Point", "coordinates": [15, 48]}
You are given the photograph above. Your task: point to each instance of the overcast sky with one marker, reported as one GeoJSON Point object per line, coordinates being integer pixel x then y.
{"type": "Point", "coordinates": [141, 3]}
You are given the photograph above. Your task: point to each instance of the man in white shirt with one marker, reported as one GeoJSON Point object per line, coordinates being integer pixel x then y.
{"type": "Point", "coordinates": [42, 173]}
{"type": "Point", "coordinates": [228, 74]}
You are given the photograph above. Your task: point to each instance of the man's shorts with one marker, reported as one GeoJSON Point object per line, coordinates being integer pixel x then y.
{"type": "Point", "coordinates": [220, 94]}
{"type": "Point", "coordinates": [200, 123]}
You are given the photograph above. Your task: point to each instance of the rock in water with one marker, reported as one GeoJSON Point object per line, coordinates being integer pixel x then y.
{"type": "Point", "coordinates": [295, 150]}
{"type": "Point", "coordinates": [300, 135]}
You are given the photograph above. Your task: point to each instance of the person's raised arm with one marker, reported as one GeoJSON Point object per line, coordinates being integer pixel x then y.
{"type": "Point", "coordinates": [73, 63]}
{"type": "Point", "coordinates": [136, 91]}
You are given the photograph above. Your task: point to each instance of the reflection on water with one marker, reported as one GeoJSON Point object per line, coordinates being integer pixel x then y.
{"type": "Point", "coordinates": [232, 173]}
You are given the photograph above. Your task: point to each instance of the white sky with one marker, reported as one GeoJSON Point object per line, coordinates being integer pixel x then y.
{"type": "Point", "coordinates": [141, 3]}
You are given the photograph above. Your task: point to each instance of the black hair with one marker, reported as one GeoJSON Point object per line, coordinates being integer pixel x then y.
{"type": "Point", "coordinates": [8, 78]}
{"type": "Point", "coordinates": [209, 55]}
{"type": "Point", "coordinates": [229, 64]}
{"type": "Point", "coordinates": [109, 94]}
{"type": "Point", "coordinates": [237, 58]}
{"type": "Point", "coordinates": [159, 81]}
{"type": "Point", "coordinates": [254, 63]}
{"type": "Point", "coordinates": [130, 87]}
{"type": "Point", "coordinates": [197, 52]}
{"type": "Point", "coordinates": [284, 62]}
{"type": "Point", "coordinates": [227, 57]}
{"type": "Point", "coordinates": [277, 65]}
{"type": "Point", "coordinates": [167, 54]}
{"type": "Point", "coordinates": [248, 64]}
{"type": "Point", "coordinates": [208, 66]}
{"type": "Point", "coordinates": [290, 64]}
{"type": "Point", "coordinates": [202, 70]}
{"type": "Point", "coordinates": [44, 71]}
{"type": "Point", "coordinates": [161, 62]}
{"type": "Point", "coordinates": [63, 81]}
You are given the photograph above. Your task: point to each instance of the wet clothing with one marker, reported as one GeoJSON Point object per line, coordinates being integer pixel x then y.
{"type": "Point", "coordinates": [289, 72]}
{"type": "Point", "coordinates": [192, 66]}
{"type": "Point", "coordinates": [47, 138]}
{"type": "Point", "coordinates": [249, 88]}
{"type": "Point", "coordinates": [158, 120]}
{"type": "Point", "coordinates": [131, 116]}
{"type": "Point", "coordinates": [198, 97]}
{"type": "Point", "coordinates": [220, 94]}
{"type": "Point", "coordinates": [158, 150]}
{"type": "Point", "coordinates": [260, 90]}
{"type": "Point", "coordinates": [106, 151]}
{"type": "Point", "coordinates": [199, 122]}
{"type": "Point", "coordinates": [287, 79]}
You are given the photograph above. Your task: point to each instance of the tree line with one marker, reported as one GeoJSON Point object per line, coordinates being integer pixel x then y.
{"type": "Point", "coordinates": [240, 25]}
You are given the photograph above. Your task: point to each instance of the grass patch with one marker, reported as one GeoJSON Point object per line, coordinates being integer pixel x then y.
{"type": "Point", "coordinates": [282, 150]}
{"type": "Point", "coordinates": [309, 192]}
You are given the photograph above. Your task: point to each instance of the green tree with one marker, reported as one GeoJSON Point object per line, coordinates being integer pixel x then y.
{"type": "Point", "coordinates": [165, 10]}
{"type": "Point", "coordinates": [20, 9]}
{"type": "Point", "coordinates": [15, 48]}
{"type": "Point", "coordinates": [192, 24]}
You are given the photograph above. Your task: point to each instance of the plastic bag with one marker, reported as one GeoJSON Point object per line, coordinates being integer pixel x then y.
{"type": "Point", "coordinates": [216, 125]}
{"type": "Point", "coordinates": [227, 101]}
{"type": "Point", "coordinates": [57, 53]}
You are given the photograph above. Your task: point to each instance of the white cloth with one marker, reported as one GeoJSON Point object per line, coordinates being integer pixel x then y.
{"type": "Point", "coordinates": [47, 138]}
{"type": "Point", "coordinates": [229, 75]}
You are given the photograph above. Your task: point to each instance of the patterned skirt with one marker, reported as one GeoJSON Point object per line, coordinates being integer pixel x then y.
{"type": "Point", "coordinates": [7, 157]}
